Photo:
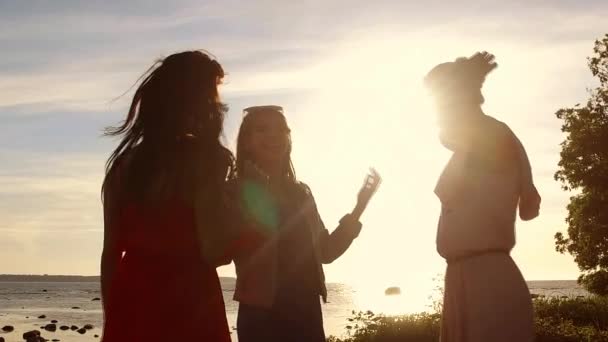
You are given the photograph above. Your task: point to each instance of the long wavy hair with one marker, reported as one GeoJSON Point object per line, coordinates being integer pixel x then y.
{"type": "Point", "coordinates": [171, 138]}
{"type": "Point", "coordinates": [243, 156]}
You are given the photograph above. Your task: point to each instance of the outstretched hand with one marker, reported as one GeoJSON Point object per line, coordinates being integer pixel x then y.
{"type": "Point", "coordinates": [370, 186]}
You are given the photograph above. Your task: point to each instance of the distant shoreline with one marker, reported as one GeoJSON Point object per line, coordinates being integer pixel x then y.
{"type": "Point", "coordinates": [47, 278]}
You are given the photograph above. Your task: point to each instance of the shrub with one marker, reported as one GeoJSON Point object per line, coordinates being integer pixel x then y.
{"type": "Point", "coordinates": [557, 320]}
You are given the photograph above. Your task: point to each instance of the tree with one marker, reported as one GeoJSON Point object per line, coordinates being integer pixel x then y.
{"type": "Point", "coordinates": [583, 168]}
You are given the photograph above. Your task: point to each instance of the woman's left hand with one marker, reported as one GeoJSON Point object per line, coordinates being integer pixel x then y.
{"type": "Point", "coordinates": [370, 186]}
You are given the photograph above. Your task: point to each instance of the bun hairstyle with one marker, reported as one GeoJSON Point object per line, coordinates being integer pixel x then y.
{"type": "Point", "coordinates": [465, 76]}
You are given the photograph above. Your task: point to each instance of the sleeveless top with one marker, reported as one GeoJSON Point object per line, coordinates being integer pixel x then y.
{"type": "Point", "coordinates": [479, 204]}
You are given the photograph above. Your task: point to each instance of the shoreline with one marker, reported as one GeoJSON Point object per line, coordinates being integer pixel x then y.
{"type": "Point", "coordinates": [23, 323]}
{"type": "Point", "coordinates": [74, 303]}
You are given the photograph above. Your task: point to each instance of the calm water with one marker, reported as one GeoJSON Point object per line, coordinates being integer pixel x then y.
{"type": "Point", "coordinates": [19, 300]}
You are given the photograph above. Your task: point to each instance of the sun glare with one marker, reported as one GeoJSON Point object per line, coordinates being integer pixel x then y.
{"type": "Point", "coordinates": [373, 110]}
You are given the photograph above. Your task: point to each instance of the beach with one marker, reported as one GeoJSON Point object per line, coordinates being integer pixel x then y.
{"type": "Point", "coordinates": [76, 304]}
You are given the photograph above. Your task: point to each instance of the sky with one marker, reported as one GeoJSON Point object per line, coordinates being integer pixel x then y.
{"type": "Point", "coordinates": [349, 75]}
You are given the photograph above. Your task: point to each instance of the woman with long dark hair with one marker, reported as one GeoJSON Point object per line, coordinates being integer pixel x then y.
{"type": "Point", "coordinates": [487, 178]}
{"type": "Point", "coordinates": [163, 205]}
{"type": "Point", "coordinates": [280, 278]}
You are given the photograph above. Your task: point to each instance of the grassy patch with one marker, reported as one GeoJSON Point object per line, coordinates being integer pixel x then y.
{"type": "Point", "coordinates": [557, 320]}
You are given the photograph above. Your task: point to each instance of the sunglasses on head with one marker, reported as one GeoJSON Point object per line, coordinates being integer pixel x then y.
{"type": "Point", "coordinates": [263, 109]}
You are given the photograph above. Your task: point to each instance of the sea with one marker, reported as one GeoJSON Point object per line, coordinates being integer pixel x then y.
{"type": "Point", "coordinates": [74, 304]}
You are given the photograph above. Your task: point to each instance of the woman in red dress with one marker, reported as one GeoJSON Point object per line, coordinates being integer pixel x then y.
{"type": "Point", "coordinates": [163, 208]}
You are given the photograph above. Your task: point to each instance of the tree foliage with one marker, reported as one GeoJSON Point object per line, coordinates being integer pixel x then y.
{"type": "Point", "coordinates": [583, 168]}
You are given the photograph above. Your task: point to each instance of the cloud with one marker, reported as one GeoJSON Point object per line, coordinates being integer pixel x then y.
{"type": "Point", "coordinates": [265, 45]}
{"type": "Point", "coordinates": [348, 73]}
{"type": "Point", "coordinates": [50, 193]}
{"type": "Point", "coordinates": [50, 209]}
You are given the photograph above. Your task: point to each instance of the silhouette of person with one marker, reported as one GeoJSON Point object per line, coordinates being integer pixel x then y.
{"type": "Point", "coordinates": [162, 198]}
{"type": "Point", "coordinates": [280, 277]}
{"type": "Point", "coordinates": [488, 175]}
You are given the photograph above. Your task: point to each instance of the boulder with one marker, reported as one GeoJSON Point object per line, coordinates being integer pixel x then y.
{"type": "Point", "coordinates": [50, 327]}
{"type": "Point", "coordinates": [31, 334]}
{"type": "Point", "coordinates": [82, 331]}
{"type": "Point", "coordinates": [8, 328]}
{"type": "Point", "coordinates": [64, 327]}
{"type": "Point", "coordinates": [392, 291]}
{"type": "Point", "coordinates": [36, 339]}
{"type": "Point", "coordinates": [54, 321]}
{"type": "Point", "coordinates": [42, 316]}
{"type": "Point", "coordinates": [73, 327]}
{"type": "Point", "coordinates": [88, 326]}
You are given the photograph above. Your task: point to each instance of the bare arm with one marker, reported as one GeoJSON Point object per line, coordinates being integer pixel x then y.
{"type": "Point", "coordinates": [111, 253]}
{"type": "Point", "coordinates": [507, 154]}
{"type": "Point", "coordinates": [529, 198]}
{"type": "Point", "coordinates": [529, 204]}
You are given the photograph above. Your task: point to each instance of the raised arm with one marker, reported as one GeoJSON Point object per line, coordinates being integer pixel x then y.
{"type": "Point", "coordinates": [333, 245]}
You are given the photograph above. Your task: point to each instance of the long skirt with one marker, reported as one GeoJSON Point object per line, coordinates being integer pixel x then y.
{"type": "Point", "coordinates": [486, 300]}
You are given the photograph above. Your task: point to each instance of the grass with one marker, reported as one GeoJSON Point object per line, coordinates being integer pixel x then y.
{"type": "Point", "coordinates": [557, 320]}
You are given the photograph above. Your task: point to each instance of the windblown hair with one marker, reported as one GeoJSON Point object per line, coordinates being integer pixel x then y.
{"type": "Point", "coordinates": [242, 153]}
{"type": "Point", "coordinates": [170, 140]}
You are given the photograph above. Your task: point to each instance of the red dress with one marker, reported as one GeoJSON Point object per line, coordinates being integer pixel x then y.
{"type": "Point", "coordinates": [162, 289]}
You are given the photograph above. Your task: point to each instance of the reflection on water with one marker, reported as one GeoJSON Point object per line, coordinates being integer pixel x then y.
{"type": "Point", "coordinates": [424, 296]}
